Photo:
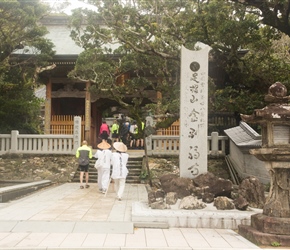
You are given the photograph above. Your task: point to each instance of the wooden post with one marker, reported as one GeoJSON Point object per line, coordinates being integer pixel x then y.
{"type": "Point", "coordinates": [159, 102]}
{"type": "Point", "coordinates": [47, 112]}
{"type": "Point", "coordinates": [88, 113]}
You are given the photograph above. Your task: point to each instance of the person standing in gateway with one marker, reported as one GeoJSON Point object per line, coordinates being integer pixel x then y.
{"type": "Point", "coordinates": [104, 130]}
{"type": "Point", "coordinates": [119, 171]}
{"type": "Point", "coordinates": [115, 131]}
{"type": "Point", "coordinates": [84, 154]}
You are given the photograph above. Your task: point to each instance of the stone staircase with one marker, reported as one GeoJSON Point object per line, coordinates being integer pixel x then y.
{"type": "Point", "coordinates": [134, 166]}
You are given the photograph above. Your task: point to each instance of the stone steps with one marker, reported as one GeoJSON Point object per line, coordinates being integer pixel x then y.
{"type": "Point", "coordinates": [134, 166]}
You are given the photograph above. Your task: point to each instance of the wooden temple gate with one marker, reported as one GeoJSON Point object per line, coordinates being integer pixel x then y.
{"type": "Point", "coordinates": [66, 97]}
{"type": "Point", "coordinates": [64, 124]}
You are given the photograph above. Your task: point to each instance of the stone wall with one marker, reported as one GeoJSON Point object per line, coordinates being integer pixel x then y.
{"type": "Point", "coordinates": [62, 168]}
{"type": "Point", "coordinates": [57, 168]}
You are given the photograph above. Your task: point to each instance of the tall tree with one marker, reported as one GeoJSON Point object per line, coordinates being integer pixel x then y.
{"type": "Point", "coordinates": [265, 62]}
{"type": "Point", "coordinates": [138, 50]}
{"type": "Point", "coordinates": [24, 52]}
{"type": "Point", "coordinates": [146, 36]}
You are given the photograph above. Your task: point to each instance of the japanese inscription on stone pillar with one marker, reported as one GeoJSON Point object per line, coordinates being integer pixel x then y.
{"type": "Point", "coordinates": [77, 132]}
{"type": "Point", "coordinates": [193, 112]}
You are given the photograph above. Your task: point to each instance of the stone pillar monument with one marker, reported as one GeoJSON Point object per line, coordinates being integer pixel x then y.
{"type": "Point", "coordinates": [273, 225]}
{"type": "Point", "coordinates": [77, 132]}
{"type": "Point", "coordinates": [193, 112]}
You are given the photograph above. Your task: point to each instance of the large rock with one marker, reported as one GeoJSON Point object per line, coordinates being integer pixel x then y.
{"type": "Point", "coordinates": [253, 191]}
{"type": "Point", "coordinates": [198, 192]}
{"type": "Point", "coordinates": [208, 198]}
{"type": "Point", "coordinates": [159, 205]}
{"type": "Point", "coordinates": [241, 203]}
{"type": "Point", "coordinates": [155, 196]}
{"type": "Point", "coordinates": [181, 186]}
{"type": "Point", "coordinates": [212, 184]}
{"type": "Point", "coordinates": [151, 197]}
{"type": "Point", "coordinates": [223, 203]}
{"type": "Point", "coordinates": [165, 181]}
{"type": "Point", "coordinates": [171, 198]}
{"type": "Point", "coordinates": [190, 203]}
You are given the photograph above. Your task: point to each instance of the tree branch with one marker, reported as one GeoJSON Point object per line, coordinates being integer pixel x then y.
{"type": "Point", "coordinates": [274, 14]}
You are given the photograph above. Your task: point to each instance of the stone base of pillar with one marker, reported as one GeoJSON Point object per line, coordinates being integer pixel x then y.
{"type": "Point", "coordinates": [265, 230]}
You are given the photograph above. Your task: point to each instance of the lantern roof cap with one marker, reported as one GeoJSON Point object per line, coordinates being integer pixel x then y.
{"type": "Point", "coordinates": [277, 110]}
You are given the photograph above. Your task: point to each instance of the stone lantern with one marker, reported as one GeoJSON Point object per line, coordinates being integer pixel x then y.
{"type": "Point", "coordinates": [273, 225]}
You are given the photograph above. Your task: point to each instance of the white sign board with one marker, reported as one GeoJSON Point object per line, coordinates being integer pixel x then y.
{"type": "Point", "coordinates": [193, 112]}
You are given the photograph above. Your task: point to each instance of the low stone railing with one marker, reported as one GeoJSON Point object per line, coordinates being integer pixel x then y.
{"type": "Point", "coordinates": [36, 144]}
{"type": "Point", "coordinates": [169, 145]}
{"type": "Point", "coordinates": [64, 144]}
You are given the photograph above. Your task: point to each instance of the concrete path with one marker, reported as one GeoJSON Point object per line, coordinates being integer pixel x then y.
{"type": "Point", "coordinates": [67, 217]}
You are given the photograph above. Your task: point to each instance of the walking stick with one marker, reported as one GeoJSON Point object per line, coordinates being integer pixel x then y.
{"type": "Point", "coordinates": [108, 187]}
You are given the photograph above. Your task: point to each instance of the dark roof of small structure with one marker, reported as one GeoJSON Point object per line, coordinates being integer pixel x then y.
{"type": "Point", "coordinates": [244, 136]}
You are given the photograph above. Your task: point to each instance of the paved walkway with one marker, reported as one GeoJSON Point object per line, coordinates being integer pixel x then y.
{"type": "Point", "coordinates": [67, 217]}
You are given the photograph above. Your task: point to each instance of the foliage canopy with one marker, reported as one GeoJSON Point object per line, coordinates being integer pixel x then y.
{"type": "Point", "coordinates": [24, 52]}
{"type": "Point", "coordinates": [146, 37]}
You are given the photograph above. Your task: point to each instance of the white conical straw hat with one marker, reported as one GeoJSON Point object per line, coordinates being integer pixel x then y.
{"type": "Point", "coordinates": [120, 146]}
{"type": "Point", "coordinates": [103, 145]}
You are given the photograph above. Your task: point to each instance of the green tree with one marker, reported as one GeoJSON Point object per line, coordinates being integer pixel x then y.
{"type": "Point", "coordinates": [148, 35]}
{"type": "Point", "coordinates": [24, 52]}
{"type": "Point", "coordinates": [150, 62]}
{"type": "Point", "coordinates": [274, 13]}
{"type": "Point", "coordinates": [245, 50]}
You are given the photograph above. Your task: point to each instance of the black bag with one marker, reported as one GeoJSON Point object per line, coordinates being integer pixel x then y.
{"type": "Point", "coordinates": [84, 159]}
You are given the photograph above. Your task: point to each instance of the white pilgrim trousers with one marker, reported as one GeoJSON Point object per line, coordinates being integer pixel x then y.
{"type": "Point", "coordinates": [103, 178]}
{"type": "Point", "coordinates": [119, 186]}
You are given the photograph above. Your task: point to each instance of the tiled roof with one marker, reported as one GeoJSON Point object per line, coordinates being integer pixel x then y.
{"type": "Point", "coordinates": [244, 136]}
{"type": "Point", "coordinates": [59, 34]}
{"type": "Point", "coordinates": [60, 37]}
